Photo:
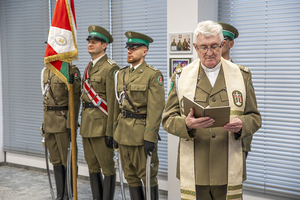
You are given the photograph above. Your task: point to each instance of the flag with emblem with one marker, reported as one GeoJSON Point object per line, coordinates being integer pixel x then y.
{"type": "Point", "coordinates": [61, 44]}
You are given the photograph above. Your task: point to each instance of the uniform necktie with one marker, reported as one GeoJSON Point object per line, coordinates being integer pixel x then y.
{"type": "Point", "coordinates": [131, 70]}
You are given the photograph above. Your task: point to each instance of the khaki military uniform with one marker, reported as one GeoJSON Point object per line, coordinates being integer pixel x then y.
{"type": "Point", "coordinates": [145, 89]}
{"type": "Point", "coordinates": [211, 144]}
{"type": "Point", "coordinates": [185, 46]}
{"type": "Point", "coordinates": [179, 46]}
{"type": "Point", "coordinates": [94, 123]}
{"type": "Point", "coordinates": [56, 122]}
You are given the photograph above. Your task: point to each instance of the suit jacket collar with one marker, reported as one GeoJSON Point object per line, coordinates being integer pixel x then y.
{"type": "Point", "coordinates": [205, 85]}
{"type": "Point", "coordinates": [220, 83]}
{"type": "Point", "coordinates": [137, 72]}
{"type": "Point", "coordinates": [98, 64]}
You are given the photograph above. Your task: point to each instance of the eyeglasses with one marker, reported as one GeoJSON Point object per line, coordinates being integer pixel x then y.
{"type": "Point", "coordinates": [214, 48]}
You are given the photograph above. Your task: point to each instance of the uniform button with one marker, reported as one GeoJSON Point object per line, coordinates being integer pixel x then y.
{"type": "Point", "coordinates": [213, 136]}
{"type": "Point", "coordinates": [213, 100]}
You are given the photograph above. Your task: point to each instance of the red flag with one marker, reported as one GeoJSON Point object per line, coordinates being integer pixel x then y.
{"type": "Point", "coordinates": [62, 40]}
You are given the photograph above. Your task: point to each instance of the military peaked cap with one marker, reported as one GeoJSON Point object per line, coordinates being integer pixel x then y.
{"type": "Point", "coordinates": [229, 30]}
{"type": "Point", "coordinates": [99, 33]}
{"type": "Point", "coordinates": [136, 39]}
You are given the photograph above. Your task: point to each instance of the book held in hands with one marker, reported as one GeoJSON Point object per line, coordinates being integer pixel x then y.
{"type": "Point", "coordinates": [220, 114]}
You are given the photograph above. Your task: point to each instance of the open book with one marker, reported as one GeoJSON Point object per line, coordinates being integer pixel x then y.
{"type": "Point", "coordinates": [220, 114]}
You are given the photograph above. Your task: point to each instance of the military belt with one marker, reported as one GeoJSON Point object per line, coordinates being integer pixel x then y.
{"type": "Point", "coordinates": [60, 108]}
{"type": "Point", "coordinates": [88, 105]}
{"type": "Point", "coordinates": [127, 114]}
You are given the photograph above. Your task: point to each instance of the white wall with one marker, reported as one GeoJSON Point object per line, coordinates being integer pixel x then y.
{"type": "Point", "coordinates": [183, 17]}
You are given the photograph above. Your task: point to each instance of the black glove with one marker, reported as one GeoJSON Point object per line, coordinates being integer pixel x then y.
{"type": "Point", "coordinates": [109, 141]}
{"type": "Point", "coordinates": [237, 135]}
{"type": "Point", "coordinates": [116, 144]}
{"type": "Point", "coordinates": [149, 147]}
{"type": "Point", "coordinates": [71, 78]}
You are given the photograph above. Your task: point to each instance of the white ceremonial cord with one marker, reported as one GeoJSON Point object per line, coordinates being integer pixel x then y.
{"type": "Point", "coordinates": [42, 83]}
{"type": "Point", "coordinates": [122, 94]}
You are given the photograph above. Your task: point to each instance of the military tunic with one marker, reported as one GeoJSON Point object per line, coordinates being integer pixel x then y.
{"type": "Point", "coordinates": [145, 89]}
{"type": "Point", "coordinates": [94, 123]}
{"type": "Point", "coordinates": [211, 144]}
{"type": "Point", "coordinates": [55, 122]}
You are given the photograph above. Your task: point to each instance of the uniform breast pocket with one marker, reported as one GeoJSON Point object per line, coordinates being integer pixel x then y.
{"type": "Point", "coordinates": [98, 84]}
{"type": "Point", "coordinates": [201, 96]}
{"type": "Point", "coordinates": [57, 84]}
{"type": "Point", "coordinates": [138, 93]}
{"type": "Point", "coordinates": [223, 96]}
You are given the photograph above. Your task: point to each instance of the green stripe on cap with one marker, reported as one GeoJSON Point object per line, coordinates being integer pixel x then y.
{"type": "Point", "coordinates": [228, 33]}
{"type": "Point", "coordinates": [137, 40]}
{"type": "Point", "coordinates": [93, 33]}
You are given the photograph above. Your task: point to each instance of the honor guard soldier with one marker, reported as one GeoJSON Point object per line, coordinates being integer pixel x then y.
{"type": "Point", "coordinates": [98, 107]}
{"type": "Point", "coordinates": [230, 33]}
{"type": "Point", "coordinates": [140, 93]}
{"type": "Point", "coordinates": [56, 123]}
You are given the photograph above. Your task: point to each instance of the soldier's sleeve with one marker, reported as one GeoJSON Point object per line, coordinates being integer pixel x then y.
{"type": "Point", "coordinates": [172, 121]}
{"type": "Point", "coordinates": [155, 106]}
{"type": "Point", "coordinates": [251, 118]}
{"type": "Point", "coordinates": [111, 99]}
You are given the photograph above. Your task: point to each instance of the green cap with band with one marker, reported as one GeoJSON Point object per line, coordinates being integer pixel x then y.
{"type": "Point", "coordinates": [229, 30]}
{"type": "Point", "coordinates": [99, 33]}
{"type": "Point", "coordinates": [137, 39]}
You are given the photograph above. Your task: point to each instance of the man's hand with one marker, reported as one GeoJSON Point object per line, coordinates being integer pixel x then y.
{"type": "Point", "coordinates": [235, 125]}
{"type": "Point", "coordinates": [149, 147]}
{"type": "Point", "coordinates": [109, 141]}
{"type": "Point", "coordinates": [196, 123]}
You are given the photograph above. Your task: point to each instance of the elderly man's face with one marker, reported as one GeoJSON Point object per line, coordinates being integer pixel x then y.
{"type": "Point", "coordinates": [212, 56]}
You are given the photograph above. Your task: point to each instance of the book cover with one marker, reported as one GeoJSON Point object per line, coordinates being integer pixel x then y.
{"type": "Point", "coordinates": [220, 114]}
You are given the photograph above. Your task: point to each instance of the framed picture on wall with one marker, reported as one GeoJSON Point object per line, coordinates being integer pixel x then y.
{"type": "Point", "coordinates": [176, 63]}
{"type": "Point", "coordinates": [181, 43]}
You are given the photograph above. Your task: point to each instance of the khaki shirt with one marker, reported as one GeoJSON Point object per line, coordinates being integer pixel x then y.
{"type": "Point", "coordinates": [211, 144]}
{"type": "Point", "coordinates": [94, 123]}
{"type": "Point", "coordinates": [145, 88]}
{"type": "Point", "coordinates": [54, 121]}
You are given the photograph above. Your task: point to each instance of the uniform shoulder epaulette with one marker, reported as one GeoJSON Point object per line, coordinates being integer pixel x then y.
{"type": "Point", "coordinates": [245, 69]}
{"type": "Point", "coordinates": [151, 67]}
{"type": "Point", "coordinates": [123, 68]}
{"type": "Point", "coordinates": [111, 62]}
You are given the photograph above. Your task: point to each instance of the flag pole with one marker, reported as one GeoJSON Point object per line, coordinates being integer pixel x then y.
{"type": "Point", "coordinates": [73, 138]}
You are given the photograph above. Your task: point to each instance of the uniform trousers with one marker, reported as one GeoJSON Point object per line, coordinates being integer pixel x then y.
{"type": "Point", "coordinates": [134, 159]}
{"type": "Point", "coordinates": [58, 144]}
{"type": "Point", "coordinates": [98, 156]}
{"type": "Point", "coordinates": [206, 192]}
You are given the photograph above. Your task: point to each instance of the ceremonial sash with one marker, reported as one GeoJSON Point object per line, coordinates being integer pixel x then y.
{"type": "Point", "coordinates": [236, 96]}
{"type": "Point", "coordinates": [92, 94]}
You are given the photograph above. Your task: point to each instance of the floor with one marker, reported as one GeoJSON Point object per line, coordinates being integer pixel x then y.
{"type": "Point", "coordinates": [24, 183]}
{"type": "Point", "coordinates": [19, 182]}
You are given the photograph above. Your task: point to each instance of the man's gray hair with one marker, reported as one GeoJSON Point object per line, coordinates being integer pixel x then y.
{"type": "Point", "coordinates": [208, 28]}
